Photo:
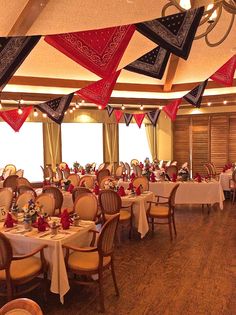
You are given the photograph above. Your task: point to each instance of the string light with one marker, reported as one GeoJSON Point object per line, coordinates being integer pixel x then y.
{"type": "Point", "coordinates": [35, 113]}
{"type": "Point", "coordinates": [71, 111]}
{"type": "Point", "coordinates": [141, 107]}
{"type": "Point", "coordinates": [73, 108]}
{"type": "Point", "coordinates": [20, 111]}
{"type": "Point", "coordinates": [160, 107]}
{"type": "Point", "coordinates": [77, 104]}
{"type": "Point", "coordinates": [44, 115]}
{"type": "Point", "coordinates": [123, 107]}
{"type": "Point", "coordinates": [65, 113]}
{"type": "Point", "coordinates": [225, 102]}
{"type": "Point", "coordinates": [209, 104]}
{"type": "Point", "coordinates": [99, 107]}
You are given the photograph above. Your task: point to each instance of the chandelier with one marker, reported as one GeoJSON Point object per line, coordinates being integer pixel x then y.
{"type": "Point", "coordinates": [212, 14]}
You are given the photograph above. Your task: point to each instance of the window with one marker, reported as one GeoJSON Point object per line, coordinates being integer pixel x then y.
{"type": "Point", "coordinates": [82, 142]}
{"type": "Point", "coordinates": [133, 143]}
{"type": "Point", "coordinates": [24, 149]}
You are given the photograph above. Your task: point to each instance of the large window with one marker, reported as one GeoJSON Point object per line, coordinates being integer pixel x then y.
{"type": "Point", "coordinates": [24, 149]}
{"type": "Point", "coordinates": [82, 142]}
{"type": "Point", "coordinates": [133, 143]}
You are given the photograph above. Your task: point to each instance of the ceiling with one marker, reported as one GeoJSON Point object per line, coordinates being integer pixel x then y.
{"type": "Point", "coordinates": [29, 17]}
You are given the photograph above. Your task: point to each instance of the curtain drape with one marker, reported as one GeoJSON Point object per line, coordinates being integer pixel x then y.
{"type": "Point", "coordinates": [52, 144]}
{"type": "Point", "coordinates": [110, 143]}
{"type": "Point", "coordinates": [151, 133]}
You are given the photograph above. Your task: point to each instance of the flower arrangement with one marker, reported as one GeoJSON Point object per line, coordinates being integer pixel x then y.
{"type": "Point", "coordinates": [65, 183]}
{"type": "Point", "coordinates": [147, 169]}
{"type": "Point", "coordinates": [184, 173]}
{"type": "Point", "coordinates": [88, 168]}
{"type": "Point", "coordinates": [111, 184]}
{"type": "Point", "coordinates": [32, 210]}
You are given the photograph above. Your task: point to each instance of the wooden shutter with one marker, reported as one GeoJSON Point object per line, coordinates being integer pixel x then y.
{"type": "Point", "coordinates": [181, 146]}
{"type": "Point", "coordinates": [232, 139]}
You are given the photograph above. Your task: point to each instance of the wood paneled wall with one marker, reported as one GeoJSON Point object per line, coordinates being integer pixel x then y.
{"type": "Point", "coordinates": [199, 139]}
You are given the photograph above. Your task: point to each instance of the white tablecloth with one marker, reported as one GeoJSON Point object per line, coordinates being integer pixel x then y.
{"type": "Point", "coordinates": [225, 180]}
{"type": "Point", "coordinates": [189, 192]}
{"type": "Point", "coordinates": [23, 244]}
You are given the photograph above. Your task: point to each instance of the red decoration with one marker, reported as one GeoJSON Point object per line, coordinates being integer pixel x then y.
{"type": "Point", "coordinates": [99, 92]}
{"type": "Point", "coordinates": [131, 186]}
{"type": "Point", "coordinates": [172, 108]}
{"type": "Point", "coordinates": [139, 119]}
{"type": "Point", "coordinates": [118, 114]}
{"type": "Point", "coordinates": [65, 220]}
{"type": "Point", "coordinates": [132, 176]}
{"type": "Point", "coordinates": [138, 191]}
{"type": "Point", "coordinates": [121, 191]}
{"type": "Point", "coordinates": [14, 119]}
{"type": "Point", "coordinates": [174, 177]}
{"type": "Point", "coordinates": [70, 188]}
{"type": "Point", "coordinates": [152, 178]}
{"type": "Point", "coordinates": [41, 224]}
{"type": "Point", "coordinates": [198, 177]}
{"type": "Point", "coordinates": [96, 189]}
{"type": "Point", "coordinates": [9, 221]}
{"type": "Point", "coordinates": [225, 74]}
{"type": "Point", "coordinates": [100, 51]}
{"type": "Point", "coordinates": [83, 171]}
{"type": "Point", "coordinates": [141, 165]}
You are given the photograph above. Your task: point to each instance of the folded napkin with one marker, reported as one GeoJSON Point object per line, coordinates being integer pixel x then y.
{"type": "Point", "coordinates": [198, 177]}
{"type": "Point", "coordinates": [9, 221]}
{"type": "Point", "coordinates": [96, 189]}
{"type": "Point", "coordinates": [138, 191]}
{"type": "Point", "coordinates": [121, 191]}
{"type": "Point", "coordinates": [65, 220]}
{"type": "Point", "coordinates": [152, 178]}
{"type": "Point", "coordinates": [41, 224]}
{"type": "Point", "coordinates": [132, 176]}
{"type": "Point", "coordinates": [141, 165]}
{"type": "Point", "coordinates": [131, 186]}
{"type": "Point", "coordinates": [83, 171]}
{"type": "Point", "coordinates": [70, 188]}
{"type": "Point", "coordinates": [174, 177]}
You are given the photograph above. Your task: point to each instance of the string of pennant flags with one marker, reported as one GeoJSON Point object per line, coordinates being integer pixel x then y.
{"type": "Point", "coordinates": [100, 51]}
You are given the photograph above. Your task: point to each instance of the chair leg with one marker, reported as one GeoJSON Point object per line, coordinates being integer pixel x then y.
{"type": "Point", "coordinates": [170, 228]}
{"type": "Point", "coordinates": [152, 225]}
{"type": "Point", "coordinates": [101, 295]}
{"type": "Point", "coordinates": [131, 228]}
{"type": "Point", "coordinates": [114, 278]}
{"type": "Point", "coordinates": [173, 218]}
{"type": "Point", "coordinates": [233, 199]}
{"type": "Point", "coordinates": [9, 291]}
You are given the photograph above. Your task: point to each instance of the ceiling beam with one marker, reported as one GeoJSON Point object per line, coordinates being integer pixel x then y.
{"type": "Point", "coordinates": [171, 71]}
{"type": "Point", "coordinates": [27, 17]}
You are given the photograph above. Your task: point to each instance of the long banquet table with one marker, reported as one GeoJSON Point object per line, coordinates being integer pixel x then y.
{"type": "Point", "coordinates": [224, 180]}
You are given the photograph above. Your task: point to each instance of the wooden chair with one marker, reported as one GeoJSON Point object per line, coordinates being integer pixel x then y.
{"type": "Point", "coordinates": [86, 206]}
{"type": "Point", "coordinates": [78, 191]}
{"type": "Point", "coordinates": [66, 173]}
{"type": "Point", "coordinates": [22, 181]}
{"type": "Point", "coordinates": [103, 181]}
{"type": "Point", "coordinates": [59, 173]}
{"type": "Point", "coordinates": [16, 271]}
{"type": "Point", "coordinates": [24, 198]}
{"type": "Point", "coordinates": [20, 306]}
{"type": "Point", "coordinates": [74, 179]}
{"type": "Point", "coordinates": [11, 181]}
{"type": "Point", "coordinates": [214, 172]}
{"type": "Point", "coordinates": [87, 181]}
{"type": "Point", "coordinates": [46, 176]}
{"type": "Point", "coordinates": [101, 174]}
{"type": "Point", "coordinates": [23, 188]}
{"type": "Point", "coordinates": [163, 211]}
{"type": "Point", "coordinates": [134, 162]}
{"type": "Point", "coordinates": [110, 167]}
{"type": "Point", "coordinates": [127, 168]}
{"type": "Point", "coordinates": [47, 201]}
{"type": "Point", "coordinates": [20, 173]}
{"type": "Point", "coordinates": [91, 261]}
{"type": "Point", "coordinates": [142, 180]}
{"type": "Point", "coordinates": [171, 170]}
{"type": "Point", "coordinates": [137, 170]}
{"type": "Point", "coordinates": [101, 166]}
{"type": "Point", "coordinates": [58, 196]}
{"type": "Point", "coordinates": [233, 187]}
{"type": "Point", "coordinates": [119, 171]}
{"type": "Point", "coordinates": [6, 197]}
{"type": "Point", "coordinates": [11, 168]}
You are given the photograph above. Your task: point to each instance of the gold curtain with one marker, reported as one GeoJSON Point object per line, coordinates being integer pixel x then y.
{"type": "Point", "coordinates": [52, 144]}
{"type": "Point", "coordinates": [151, 133]}
{"type": "Point", "coordinates": [110, 143]}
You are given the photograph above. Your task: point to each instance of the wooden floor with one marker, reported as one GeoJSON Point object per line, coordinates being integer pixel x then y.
{"type": "Point", "coordinates": [194, 274]}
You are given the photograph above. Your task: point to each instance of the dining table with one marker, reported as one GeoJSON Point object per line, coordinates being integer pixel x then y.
{"type": "Point", "coordinates": [224, 179]}
{"type": "Point", "coordinates": [24, 242]}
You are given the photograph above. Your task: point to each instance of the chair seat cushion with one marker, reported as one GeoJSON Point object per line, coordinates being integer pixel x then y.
{"type": "Point", "coordinates": [124, 215]}
{"type": "Point", "coordinates": [23, 268]}
{"type": "Point", "coordinates": [86, 261]}
{"type": "Point", "coordinates": [159, 211]}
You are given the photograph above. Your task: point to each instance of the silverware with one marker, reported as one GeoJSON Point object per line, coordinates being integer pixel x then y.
{"type": "Point", "coordinates": [45, 234]}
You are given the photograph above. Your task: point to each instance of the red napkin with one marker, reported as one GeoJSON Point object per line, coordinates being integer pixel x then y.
{"type": "Point", "coordinates": [121, 191]}
{"type": "Point", "coordinates": [9, 221]}
{"type": "Point", "coordinates": [70, 188]}
{"type": "Point", "coordinates": [41, 224]}
{"type": "Point", "coordinates": [75, 170]}
{"type": "Point", "coordinates": [131, 186]}
{"type": "Point", "coordinates": [132, 176]}
{"type": "Point", "coordinates": [141, 165]}
{"type": "Point", "coordinates": [96, 189]}
{"type": "Point", "coordinates": [65, 220]}
{"type": "Point", "coordinates": [198, 177]}
{"type": "Point", "coordinates": [46, 183]}
{"type": "Point", "coordinates": [174, 177]}
{"type": "Point", "coordinates": [83, 172]}
{"type": "Point", "coordinates": [96, 172]}
{"type": "Point", "coordinates": [152, 178]}
{"type": "Point", "coordinates": [138, 191]}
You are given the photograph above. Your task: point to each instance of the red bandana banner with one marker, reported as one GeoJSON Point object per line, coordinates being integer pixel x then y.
{"type": "Point", "coordinates": [172, 108]}
{"type": "Point", "coordinates": [225, 74]}
{"type": "Point", "coordinates": [100, 51]}
{"type": "Point", "coordinates": [118, 114]}
{"type": "Point", "coordinates": [14, 119]}
{"type": "Point", "coordinates": [99, 92]}
{"type": "Point", "coordinates": [139, 119]}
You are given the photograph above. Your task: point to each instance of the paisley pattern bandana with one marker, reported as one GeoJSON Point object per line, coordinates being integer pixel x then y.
{"type": "Point", "coordinates": [153, 116]}
{"type": "Point", "coordinates": [152, 64]}
{"type": "Point", "coordinates": [172, 108]}
{"type": "Point", "coordinates": [56, 108]}
{"type": "Point", "coordinates": [100, 51]}
{"type": "Point", "coordinates": [99, 92]}
{"type": "Point", "coordinates": [174, 32]}
{"type": "Point", "coordinates": [128, 117]}
{"type": "Point", "coordinates": [194, 97]}
{"type": "Point", "coordinates": [225, 74]}
{"type": "Point", "coordinates": [14, 119]}
{"type": "Point", "coordinates": [13, 51]}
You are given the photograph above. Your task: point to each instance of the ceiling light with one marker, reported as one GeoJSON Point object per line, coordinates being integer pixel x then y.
{"type": "Point", "coordinates": [123, 107]}
{"type": "Point", "coordinates": [209, 104]}
{"type": "Point", "coordinates": [20, 111]}
{"type": "Point", "coordinates": [83, 101]}
{"type": "Point", "coordinates": [44, 115]}
{"type": "Point", "coordinates": [185, 4]}
{"type": "Point", "coordinates": [35, 113]}
{"type": "Point", "coordinates": [225, 102]}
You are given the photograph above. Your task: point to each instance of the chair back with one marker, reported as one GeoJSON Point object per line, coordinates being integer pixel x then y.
{"type": "Point", "coordinates": [174, 163]}
{"type": "Point", "coordinates": [101, 166]}
{"type": "Point", "coordinates": [127, 168]}
{"type": "Point", "coordinates": [6, 173]}
{"type": "Point", "coordinates": [20, 173]}
{"type": "Point", "coordinates": [47, 201]}
{"type": "Point", "coordinates": [78, 191]}
{"type": "Point", "coordinates": [104, 180]}
{"type": "Point", "coordinates": [66, 173]}
{"type": "Point", "coordinates": [134, 162]}
{"type": "Point", "coordinates": [101, 174]}
{"type": "Point", "coordinates": [11, 168]}
{"type": "Point", "coordinates": [171, 199]}
{"type": "Point", "coordinates": [110, 167]}
{"type": "Point", "coordinates": [23, 188]}
{"type": "Point", "coordinates": [142, 180]}
{"type": "Point", "coordinates": [119, 170]}
{"type": "Point", "coordinates": [21, 306]}
{"type": "Point", "coordinates": [137, 170]}
{"type": "Point", "coordinates": [22, 181]}
{"type": "Point", "coordinates": [58, 196]}
{"type": "Point", "coordinates": [24, 198]}
{"type": "Point", "coordinates": [74, 179]}
{"type": "Point", "coordinates": [208, 170]}
{"type": "Point", "coordinates": [87, 181]}
{"type": "Point", "coordinates": [6, 196]}
{"type": "Point", "coordinates": [234, 176]}
{"type": "Point", "coordinates": [86, 206]}
{"type": "Point", "coordinates": [45, 172]}
{"type": "Point", "coordinates": [109, 201]}
{"type": "Point", "coordinates": [105, 243]}
{"type": "Point", "coordinates": [11, 181]}
{"type": "Point", "coordinates": [59, 173]}
{"type": "Point", "coordinates": [50, 171]}
{"type": "Point", "coordinates": [5, 252]}
{"type": "Point", "coordinates": [171, 170]}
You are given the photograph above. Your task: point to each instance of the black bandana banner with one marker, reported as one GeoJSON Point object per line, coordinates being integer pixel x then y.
{"type": "Point", "coordinates": [128, 117]}
{"type": "Point", "coordinates": [173, 32]}
{"type": "Point", "coordinates": [152, 64]}
{"type": "Point", "coordinates": [153, 116]}
{"type": "Point", "coordinates": [194, 97]}
{"type": "Point", "coordinates": [110, 110]}
{"type": "Point", "coordinates": [56, 108]}
{"type": "Point", "coordinates": [13, 51]}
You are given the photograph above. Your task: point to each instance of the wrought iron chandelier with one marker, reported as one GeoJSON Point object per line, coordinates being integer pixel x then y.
{"type": "Point", "coordinates": [211, 16]}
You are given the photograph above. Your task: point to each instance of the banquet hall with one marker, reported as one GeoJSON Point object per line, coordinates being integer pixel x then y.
{"type": "Point", "coordinates": [118, 157]}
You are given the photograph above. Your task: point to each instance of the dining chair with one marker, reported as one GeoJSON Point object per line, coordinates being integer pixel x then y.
{"type": "Point", "coordinates": [46, 176]}
{"type": "Point", "coordinates": [6, 173]}
{"type": "Point", "coordinates": [20, 173]}
{"type": "Point", "coordinates": [119, 171]}
{"type": "Point", "coordinates": [91, 261]}
{"type": "Point", "coordinates": [22, 181]}
{"type": "Point", "coordinates": [47, 201]}
{"type": "Point", "coordinates": [66, 173]}
{"type": "Point", "coordinates": [137, 170]}
{"type": "Point", "coordinates": [21, 189]}
{"type": "Point", "coordinates": [134, 162]}
{"type": "Point", "coordinates": [6, 197]}
{"type": "Point", "coordinates": [87, 181]}
{"type": "Point", "coordinates": [104, 180]}
{"type": "Point", "coordinates": [158, 211]}
{"type": "Point", "coordinates": [74, 179]}
{"type": "Point", "coordinates": [101, 166]}
{"type": "Point", "coordinates": [86, 206]}
{"type": "Point", "coordinates": [101, 174]}
{"type": "Point", "coordinates": [58, 196]}
{"type": "Point", "coordinates": [78, 191]}
{"type": "Point", "coordinates": [171, 170]}
{"type": "Point", "coordinates": [21, 306]}
{"type": "Point", "coordinates": [11, 168]}
{"type": "Point", "coordinates": [59, 173]}
{"type": "Point", "coordinates": [24, 198]}
{"type": "Point", "coordinates": [214, 172]}
{"type": "Point", "coordinates": [110, 167]}
{"type": "Point", "coordinates": [16, 271]}
{"type": "Point", "coordinates": [141, 180]}
{"type": "Point", "coordinates": [127, 169]}
{"type": "Point", "coordinates": [11, 181]}
{"type": "Point", "coordinates": [233, 187]}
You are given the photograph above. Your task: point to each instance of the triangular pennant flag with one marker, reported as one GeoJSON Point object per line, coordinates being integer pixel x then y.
{"type": "Point", "coordinates": [128, 117]}
{"type": "Point", "coordinates": [139, 119]}
{"type": "Point", "coordinates": [194, 97]}
{"type": "Point", "coordinates": [14, 119]}
{"type": "Point", "coordinates": [118, 114]}
{"type": "Point", "coordinates": [153, 116]}
{"type": "Point", "coordinates": [13, 51]}
{"type": "Point", "coordinates": [174, 32]}
{"type": "Point", "coordinates": [225, 74]}
{"type": "Point", "coordinates": [172, 108]}
{"type": "Point", "coordinates": [152, 64]}
{"type": "Point", "coordinates": [100, 51]}
{"type": "Point", "coordinates": [99, 92]}
{"type": "Point", "coordinates": [110, 110]}
{"type": "Point", "coordinates": [56, 108]}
